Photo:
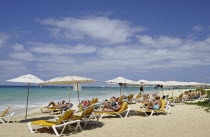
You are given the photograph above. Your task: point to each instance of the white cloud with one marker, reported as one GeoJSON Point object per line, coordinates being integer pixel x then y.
{"type": "Point", "coordinates": [136, 57]}
{"type": "Point", "coordinates": [62, 49]}
{"type": "Point", "coordinates": [55, 59]}
{"type": "Point", "coordinates": [18, 47]}
{"type": "Point", "coordinates": [22, 55]}
{"type": "Point", "coordinates": [10, 68]}
{"type": "Point", "coordinates": [160, 42]}
{"type": "Point", "coordinates": [96, 28]}
{"type": "Point", "coordinates": [3, 39]}
{"type": "Point", "coordinates": [197, 28]}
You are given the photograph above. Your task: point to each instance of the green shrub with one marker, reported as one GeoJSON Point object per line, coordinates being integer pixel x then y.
{"type": "Point", "coordinates": [208, 93]}
{"type": "Point", "coordinates": [202, 90]}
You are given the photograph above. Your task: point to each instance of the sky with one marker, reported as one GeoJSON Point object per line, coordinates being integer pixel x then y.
{"type": "Point", "coordinates": [102, 40]}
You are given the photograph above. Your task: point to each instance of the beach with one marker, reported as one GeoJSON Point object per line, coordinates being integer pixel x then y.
{"type": "Point", "coordinates": [184, 120]}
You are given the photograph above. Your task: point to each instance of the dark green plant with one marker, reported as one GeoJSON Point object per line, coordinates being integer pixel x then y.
{"type": "Point", "coordinates": [208, 93]}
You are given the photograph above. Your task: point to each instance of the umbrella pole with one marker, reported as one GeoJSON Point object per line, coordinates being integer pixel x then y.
{"type": "Point", "coordinates": [78, 96]}
{"type": "Point", "coordinates": [78, 92]}
{"type": "Point", "coordinates": [27, 101]}
{"type": "Point", "coordinates": [120, 90]}
{"type": "Point", "coordinates": [69, 95]}
{"type": "Point", "coordinates": [162, 91]}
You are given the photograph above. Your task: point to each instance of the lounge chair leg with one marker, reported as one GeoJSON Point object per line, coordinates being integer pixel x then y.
{"type": "Point", "coordinates": [30, 128]}
{"type": "Point", "coordinates": [10, 117]}
{"type": "Point", "coordinates": [145, 113]}
{"type": "Point", "coordinates": [85, 124]}
{"type": "Point", "coordinates": [101, 116]}
{"type": "Point", "coordinates": [78, 126]}
{"type": "Point", "coordinates": [168, 109]}
{"type": "Point", "coordinates": [119, 115]}
{"type": "Point", "coordinates": [2, 120]}
{"type": "Point", "coordinates": [62, 130]}
{"type": "Point", "coordinates": [151, 113]}
{"type": "Point", "coordinates": [128, 110]}
{"type": "Point", "coordinates": [56, 132]}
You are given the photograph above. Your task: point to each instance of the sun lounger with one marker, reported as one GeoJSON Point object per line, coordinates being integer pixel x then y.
{"type": "Point", "coordinates": [63, 121]}
{"type": "Point", "coordinates": [93, 102]}
{"type": "Point", "coordinates": [130, 98]}
{"type": "Point", "coordinates": [53, 110]}
{"type": "Point", "coordinates": [124, 108]}
{"type": "Point", "coordinates": [86, 115]}
{"type": "Point", "coordinates": [161, 110]}
{"type": "Point", "coordinates": [5, 117]}
{"type": "Point", "coordinates": [137, 98]}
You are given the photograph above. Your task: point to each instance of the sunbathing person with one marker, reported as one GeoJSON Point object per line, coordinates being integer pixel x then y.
{"type": "Point", "coordinates": [60, 105]}
{"type": "Point", "coordinates": [85, 103]}
{"type": "Point", "coordinates": [155, 105]}
{"type": "Point", "coordinates": [53, 103]}
{"type": "Point", "coordinates": [109, 108]}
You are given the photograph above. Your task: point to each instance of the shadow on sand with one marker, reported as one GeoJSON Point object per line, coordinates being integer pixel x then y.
{"type": "Point", "coordinates": [34, 119]}
{"type": "Point", "coordinates": [91, 125]}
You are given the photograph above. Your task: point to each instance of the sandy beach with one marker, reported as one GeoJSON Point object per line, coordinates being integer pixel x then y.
{"type": "Point", "coordinates": [184, 120]}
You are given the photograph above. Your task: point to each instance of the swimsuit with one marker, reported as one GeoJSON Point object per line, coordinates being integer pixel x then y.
{"type": "Point", "coordinates": [156, 107]}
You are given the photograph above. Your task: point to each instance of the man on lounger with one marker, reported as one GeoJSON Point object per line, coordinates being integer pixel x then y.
{"type": "Point", "coordinates": [155, 105]}
{"type": "Point", "coordinates": [109, 108]}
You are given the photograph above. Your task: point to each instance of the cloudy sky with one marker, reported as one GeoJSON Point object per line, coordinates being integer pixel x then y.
{"type": "Point", "coordinates": [152, 40]}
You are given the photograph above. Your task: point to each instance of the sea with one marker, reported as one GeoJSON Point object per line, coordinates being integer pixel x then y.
{"type": "Point", "coordinates": [16, 96]}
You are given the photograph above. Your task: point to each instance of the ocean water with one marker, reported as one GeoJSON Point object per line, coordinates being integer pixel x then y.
{"type": "Point", "coordinates": [15, 96]}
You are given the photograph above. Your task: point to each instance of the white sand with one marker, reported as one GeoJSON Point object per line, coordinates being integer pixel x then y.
{"type": "Point", "coordinates": [184, 121]}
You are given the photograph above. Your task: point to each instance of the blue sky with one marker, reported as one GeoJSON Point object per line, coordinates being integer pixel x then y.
{"type": "Point", "coordinates": [136, 39]}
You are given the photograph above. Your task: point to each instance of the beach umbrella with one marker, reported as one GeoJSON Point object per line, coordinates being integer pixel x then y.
{"type": "Point", "coordinates": [156, 83]}
{"type": "Point", "coordinates": [27, 79]}
{"type": "Point", "coordinates": [68, 80]}
{"type": "Point", "coordinates": [142, 82]}
{"type": "Point", "coordinates": [172, 84]}
{"type": "Point", "coordinates": [121, 81]}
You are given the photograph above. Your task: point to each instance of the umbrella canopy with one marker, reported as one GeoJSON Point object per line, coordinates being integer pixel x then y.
{"type": "Point", "coordinates": [68, 80]}
{"type": "Point", "coordinates": [29, 78]}
{"type": "Point", "coordinates": [155, 82]}
{"type": "Point", "coordinates": [172, 83]}
{"type": "Point", "coordinates": [121, 81]}
{"type": "Point", "coordinates": [142, 81]}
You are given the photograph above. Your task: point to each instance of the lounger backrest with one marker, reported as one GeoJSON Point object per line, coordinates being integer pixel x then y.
{"type": "Point", "coordinates": [121, 97]}
{"type": "Point", "coordinates": [124, 107]}
{"type": "Point", "coordinates": [87, 112]}
{"type": "Point", "coordinates": [96, 100]}
{"type": "Point", "coordinates": [138, 96]}
{"type": "Point", "coordinates": [180, 96]}
{"type": "Point", "coordinates": [163, 103]}
{"type": "Point", "coordinates": [67, 115]}
{"type": "Point", "coordinates": [5, 112]}
{"type": "Point", "coordinates": [130, 96]}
